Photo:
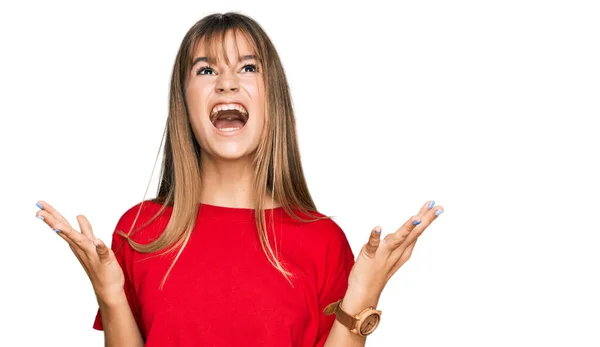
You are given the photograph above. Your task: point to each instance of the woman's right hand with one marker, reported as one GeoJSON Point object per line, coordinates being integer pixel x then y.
{"type": "Point", "coordinates": [98, 261]}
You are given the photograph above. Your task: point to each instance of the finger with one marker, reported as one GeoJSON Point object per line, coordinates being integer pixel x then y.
{"type": "Point", "coordinates": [408, 252]}
{"type": "Point", "coordinates": [79, 253]}
{"type": "Point", "coordinates": [78, 256]}
{"type": "Point", "coordinates": [370, 248]}
{"type": "Point", "coordinates": [85, 244]}
{"type": "Point", "coordinates": [86, 227]}
{"type": "Point", "coordinates": [397, 238]}
{"type": "Point", "coordinates": [428, 206]}
{"type": "Point", "coordinates": [74, 237]}
{"type": "Point", "coordinates": [51, 210]}
{"type": "Point", "coordinates": [46, 217]}
{"type": "Point", "coordinates": [403, 257]}
{"type": "Point", "coordinates": [102, 251]}
{"type": "Point", "coordinates": [51, 221]}
{"type": "Point", "coordinates": [426, 221]}
{"type": "Point", "coordinates": [72, 244]}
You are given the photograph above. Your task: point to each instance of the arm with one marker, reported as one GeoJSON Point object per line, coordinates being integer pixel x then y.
{"type": "Point", "coordinates": [377, 262]}
{"type": "Point", "coordinates": [105, 268]}
{"type": "Point", "coordinates": [120, 327]}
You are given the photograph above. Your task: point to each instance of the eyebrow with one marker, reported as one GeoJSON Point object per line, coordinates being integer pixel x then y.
{"type": "Point", "coordinates": [240, 59]}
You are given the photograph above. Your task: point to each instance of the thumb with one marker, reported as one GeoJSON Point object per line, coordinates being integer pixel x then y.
{"type": "Point", "coordinates": [102, 250]}
{"type": "Point", "coordinates": [370, 247]}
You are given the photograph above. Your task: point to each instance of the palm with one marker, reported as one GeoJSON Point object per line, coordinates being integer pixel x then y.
{"type": "Point", "coordinates": [98, 261]}
{"type": "Point", "coordinates": [379, 260]}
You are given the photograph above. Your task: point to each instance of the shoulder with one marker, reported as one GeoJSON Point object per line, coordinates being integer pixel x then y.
{"type": "Point", "coordinates": [325, 230]}
{"type": "Point", "coordinates": [324, 237]}
{"type": "Point", "coordinates": [326, 254]}
{"type": "Point", "coordinates": [142, 222]}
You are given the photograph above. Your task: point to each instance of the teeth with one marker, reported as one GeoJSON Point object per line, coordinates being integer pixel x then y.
{"type": "Point", "coordinates": [222, 107]}
{"type": "Point", "coordinates": [229, 129]}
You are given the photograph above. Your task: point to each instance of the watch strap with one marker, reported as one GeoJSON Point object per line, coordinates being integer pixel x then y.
{"type": "Point", "coordinates": [343, 317]}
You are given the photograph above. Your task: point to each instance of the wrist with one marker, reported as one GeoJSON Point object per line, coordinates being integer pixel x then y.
{"type": "Point", "coordinates": [358, 314]}
{"type": "Point", "coordinates": [354, 303]}
{"type": "Point", "coordinates": [112, 300]}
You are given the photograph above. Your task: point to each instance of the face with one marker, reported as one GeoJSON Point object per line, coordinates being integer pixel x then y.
{"type": "Point", "coordinates": [226, 103]}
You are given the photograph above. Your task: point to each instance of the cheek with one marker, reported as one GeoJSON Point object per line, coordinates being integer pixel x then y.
{"type": "Point", "coordinates": [196, 96]}
{"type": "Point", "coordinates": [197, 115]}
{"type": "Point", "coordinates": [256, 92]}
{"type": "Point", "coordinates": [259, 117]}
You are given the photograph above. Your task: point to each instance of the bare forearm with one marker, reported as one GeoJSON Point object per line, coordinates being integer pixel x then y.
{"type": "Point", "coordinates": [120, 327]}
{"type": "Point", "coordinates": [341, 336]}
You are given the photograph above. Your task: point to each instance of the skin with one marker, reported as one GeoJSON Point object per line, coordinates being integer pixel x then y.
{"type": "Point", "coordinates": [378, 260]}
{"type": "Point", "coordinates": [227, 175]}
{"type": "Point", "coordinates": [105, 273]}
{"type": "Point", "coordinates": [213, 83]}
{"type": "Point", "coordinates": [226, 160]}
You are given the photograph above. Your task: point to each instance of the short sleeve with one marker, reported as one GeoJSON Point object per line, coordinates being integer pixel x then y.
{"type": "Point", "coordinates": [339, 260]}
{"type": "Point", "coordinates": [124, 254]}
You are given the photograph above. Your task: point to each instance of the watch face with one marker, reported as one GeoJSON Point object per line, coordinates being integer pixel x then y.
{"type": "Point", "coordinates": [369, 324]}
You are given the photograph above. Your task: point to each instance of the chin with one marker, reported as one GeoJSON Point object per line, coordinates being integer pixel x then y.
{"type": "Point", "coordinates": [232, 151]}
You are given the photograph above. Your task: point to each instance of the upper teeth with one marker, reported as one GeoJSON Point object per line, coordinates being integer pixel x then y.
{"type": "Point", "coordinates": [222, 107]}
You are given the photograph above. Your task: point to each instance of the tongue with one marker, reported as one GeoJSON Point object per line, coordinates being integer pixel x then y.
{"type": "Point", "coordinates": [228, 123]}
{"type": "Point", "coordinates": [229, 120]}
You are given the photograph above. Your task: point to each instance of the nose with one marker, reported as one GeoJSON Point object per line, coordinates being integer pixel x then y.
{"type": "Point", "coordinates": [227, 82]}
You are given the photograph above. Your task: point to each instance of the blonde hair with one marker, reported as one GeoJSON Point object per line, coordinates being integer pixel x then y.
{"type": "Point", "coordinates": [278, 169]}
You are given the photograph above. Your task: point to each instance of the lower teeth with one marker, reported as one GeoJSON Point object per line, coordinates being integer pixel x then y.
{"type": "Point", "coordinates": [228, 129]}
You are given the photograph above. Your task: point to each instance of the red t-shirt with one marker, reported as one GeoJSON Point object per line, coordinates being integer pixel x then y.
{"type": "Point", "coordinates": [223, 291]}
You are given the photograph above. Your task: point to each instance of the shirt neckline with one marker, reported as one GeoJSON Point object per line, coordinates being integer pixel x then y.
{"type": "Point", "coordinates": [231, 213]}
{"type": "Point", "coordinates": [236, 213]}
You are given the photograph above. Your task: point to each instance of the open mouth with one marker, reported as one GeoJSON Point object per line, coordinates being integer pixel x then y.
{"type": "Point", "coordinates": [229, 117]}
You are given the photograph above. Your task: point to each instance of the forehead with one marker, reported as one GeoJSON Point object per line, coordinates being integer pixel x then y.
{"type": "Point", "coordinates": [225, 46]}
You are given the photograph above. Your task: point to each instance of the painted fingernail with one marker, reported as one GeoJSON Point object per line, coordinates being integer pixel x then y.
{"type": "Point", "coordinates": [439, 212]}
{"type": "Point", "coordinates": [57, 230]}
{"type": "Point", "coordinates": [39, 205]}
{"type": "Point", "coordinates": [40, 217]}
{"type": "Point", "coordinates": [377, 231]}
{"type": "Point", "coordinates": [417, 222]}
{"type": "Point", "coordinates": [431, 204]}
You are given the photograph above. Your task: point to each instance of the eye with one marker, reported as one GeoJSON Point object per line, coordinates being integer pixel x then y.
{"type": "Point", "coordinates": [252, 66]}
{"type": "Point", "coordinates": [202, 71]}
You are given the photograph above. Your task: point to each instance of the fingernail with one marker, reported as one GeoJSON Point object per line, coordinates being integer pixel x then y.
{"type": "Point", "coordinates": [439, 212]}
{"type": "Point", "coordinates": [377, 231]}
{"type": "Point", "coordinates": [56, 230]}
{"type": "Point", "coordinates": [431, 204]}
{"type": "Point", "coordinates": [39, 205]}
{"type": "Point", "coordinates": [416, 222]}
{"type": "Point", "coordinates": [40, 217]}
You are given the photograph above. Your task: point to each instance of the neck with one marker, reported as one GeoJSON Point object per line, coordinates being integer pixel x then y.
{"type": "Point", "coordinates": [229, 183]}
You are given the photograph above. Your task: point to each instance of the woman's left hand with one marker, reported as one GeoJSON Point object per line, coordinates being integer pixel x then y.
{"type": "Point", "coordinates": [380, 259]}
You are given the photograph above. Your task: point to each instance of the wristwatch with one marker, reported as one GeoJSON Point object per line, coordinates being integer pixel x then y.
{"type": "Point", "coordinates": [363, 323]}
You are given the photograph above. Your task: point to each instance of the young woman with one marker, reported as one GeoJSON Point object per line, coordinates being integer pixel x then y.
{"type": "Point", "coordinates": [232, 251]}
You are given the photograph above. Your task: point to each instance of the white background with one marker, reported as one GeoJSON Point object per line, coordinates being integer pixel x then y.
{"type": "Point", "coordinates": [488, 108]}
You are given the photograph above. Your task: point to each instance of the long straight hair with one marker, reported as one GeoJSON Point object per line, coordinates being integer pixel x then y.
{"type": "Point", "coordinates": [277, 165]}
